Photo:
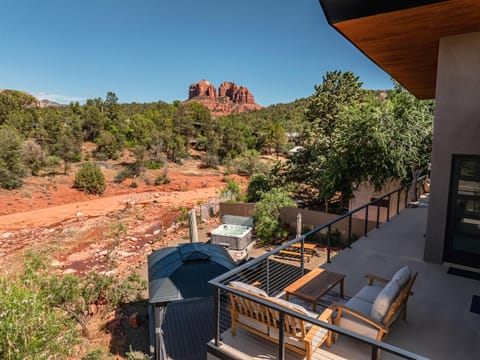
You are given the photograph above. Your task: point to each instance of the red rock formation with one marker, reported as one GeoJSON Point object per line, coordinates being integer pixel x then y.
{"type": "Point", "coordinates": [227, 89]}
{"type": "Point", "coordinates": [232, 99]}
{"type": "Point", "coordinates": [236, 94]}
{"type": "Point", "coordinates": [202, 88]}
{"type": "Point", "coordinates": [243, 96]}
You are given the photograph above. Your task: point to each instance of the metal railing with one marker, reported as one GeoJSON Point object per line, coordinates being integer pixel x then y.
{"type": "Point", "coordinates": [273, 276]}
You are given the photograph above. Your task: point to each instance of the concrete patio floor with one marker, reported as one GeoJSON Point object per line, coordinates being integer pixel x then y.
{"type": "Point", "coordinates": [439, 322]}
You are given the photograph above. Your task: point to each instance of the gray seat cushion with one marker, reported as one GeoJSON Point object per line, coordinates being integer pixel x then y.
{"type": "Point", "coordinates": [353, 323]}
{"type": "Point", "coordinates": [359, 305]}
{"type": "Point", "coordinates": [369, 293]}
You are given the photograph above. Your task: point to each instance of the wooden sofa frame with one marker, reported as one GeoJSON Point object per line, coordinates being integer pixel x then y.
{"type": "Point", "coordinates": [269, 318]}
{"type": "Point", "coordinates": [397, 309]}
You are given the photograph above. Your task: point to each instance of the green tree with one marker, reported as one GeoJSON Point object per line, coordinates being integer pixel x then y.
{"type": "Point", "coordinates": [336, 90]}
{"type": "Point", "coordinates": [413, 134]}
{"type": "Point", "coordinates": [90, 179]}
{"type": "Point", "coordinates": [33, 156]}
{"type": "Point", "coordinates": [66, 148]}
{"type": "Point", "coordinates": [249, 163]}
{"type": "Point", "coordinates": [183, 125]}
{"type": "Point", "coordinates": [107, 146]}
{"type": "Point", "coordinates": [276, 137]}
{"type": "Point", "coordinates": [12, 101]}
{"type": "Point", "coordinates": [232, 136]}
{"type": "Point", "coordinates": [257, 186]}
{"type": "Point", "coordinates": [24, 121]}
{"type": "Point", "coordinates": [141, 156]}
{"type": "Point", "coordinates": [141, 131]}
{"type": "Point", "coordinates": [12, 168]}
{"type": "Point", "coordinates": [93, 120]}
{"type": "Point", "coordinates": [231, 190]}
{"type": "Point", "coordinates": [322, 115]}
{"type": "Point", "coordinates": [362, 150]}
{"type": "Point", "coordinates": [111, 106]}
{"type": "Point", "coordinates": [365, 139]}
{"type": "Point", "coordinates": [267, 215]}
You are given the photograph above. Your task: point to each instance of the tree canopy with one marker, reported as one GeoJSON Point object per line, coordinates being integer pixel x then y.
{"type": "Point", "coordinates": [353, 136]}
{"type": "Point", "coordinates": [348, 134]}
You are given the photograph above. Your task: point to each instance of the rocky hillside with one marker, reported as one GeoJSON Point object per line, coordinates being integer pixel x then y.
{"type": "Point", "coordinates": [229, 99]}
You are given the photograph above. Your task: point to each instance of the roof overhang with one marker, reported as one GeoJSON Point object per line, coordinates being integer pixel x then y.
{"type": "Point", "coordinates": [402, 36]}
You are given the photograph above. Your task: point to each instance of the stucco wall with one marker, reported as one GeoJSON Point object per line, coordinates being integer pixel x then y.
{"type": "Point", "coordinates": [366, 192]}
{"type": "Point", "coordinates": [312, 219]}
{"type": "Point", "coordinates": [237, 209]}
{"type": "Point", "coordinates": [456, 127]}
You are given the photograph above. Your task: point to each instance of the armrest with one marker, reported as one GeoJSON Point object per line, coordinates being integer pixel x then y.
{"type": "Point", "coordinates": [376, 324]}
{"type": "Point", "coordinates": [372, 278]}
{"type": "Point", "coordinates": [326, 316]}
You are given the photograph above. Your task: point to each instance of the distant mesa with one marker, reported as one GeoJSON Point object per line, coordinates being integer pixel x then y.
{"type": "Point", "coordinates": [43, 103]}
{"type": "Point", "coordinates": [30, 101]}
{"type": "Point", "coordinates": [230, 98]}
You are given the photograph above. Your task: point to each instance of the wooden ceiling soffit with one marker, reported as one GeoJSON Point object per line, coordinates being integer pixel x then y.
{"type": "Point", "coordinates": [404, 41]}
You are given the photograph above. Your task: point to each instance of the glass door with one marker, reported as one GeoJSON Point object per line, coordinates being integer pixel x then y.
{"type": "Point", "coordinates": [462, 244]}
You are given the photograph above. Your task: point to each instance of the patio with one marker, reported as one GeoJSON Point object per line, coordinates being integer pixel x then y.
{"type": "Point", "coordinates": [439, 322]}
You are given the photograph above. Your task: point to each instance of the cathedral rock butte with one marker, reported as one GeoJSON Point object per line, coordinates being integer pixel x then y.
{"type": "Point", "coordinates": [230, 98]}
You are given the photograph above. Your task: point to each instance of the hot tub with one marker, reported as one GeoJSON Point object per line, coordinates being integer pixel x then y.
{"type": "Point", "coordinates": [235, 237]}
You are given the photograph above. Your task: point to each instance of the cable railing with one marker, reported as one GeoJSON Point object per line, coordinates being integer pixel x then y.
{"type": "Point", "coordinates": [272, 276]}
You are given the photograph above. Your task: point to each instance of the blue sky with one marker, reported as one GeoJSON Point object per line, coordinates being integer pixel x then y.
{"type": "Point", "coordinates": [149, 50]}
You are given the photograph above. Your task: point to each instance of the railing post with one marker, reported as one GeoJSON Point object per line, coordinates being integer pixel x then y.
{"type": "Point", "coordinates": [217, 316]}
{"type": "Point", "coordinates": [328, 243]}
{"type": "Point", "coordinates": [375, 352]}
{"type": "Point", "coordinates": [281, 336]}
{"type": "Point", "coordinates": [398, 201]}
{"type": "Point", "coordinates": [406, 197]}
{"type": "Point", "coordinates": [268, 276]}
{"type": "Point", "coordinates": [302, 256]}
{"type": "Point", "coordinates": [388, 209]}
{"type": "Point", "coordinates": [350, 230]}
{"type": "Point", "coordinates": [378, 214]}
{"type": "Point", "coordinates": [366, 222]}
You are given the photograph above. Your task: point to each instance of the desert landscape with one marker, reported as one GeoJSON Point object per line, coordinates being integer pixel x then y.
{"type": "Point", "coordinates": [110, 234]}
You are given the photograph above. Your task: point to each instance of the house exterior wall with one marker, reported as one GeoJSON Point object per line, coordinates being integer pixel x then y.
{"type": "Point", "coordinates": [456, 127]}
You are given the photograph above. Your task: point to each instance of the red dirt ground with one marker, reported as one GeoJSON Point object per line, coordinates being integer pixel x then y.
{"type": "Point", "coordinates": [112, 233]}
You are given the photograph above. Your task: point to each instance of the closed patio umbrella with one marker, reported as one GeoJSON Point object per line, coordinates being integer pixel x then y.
{"type": "Point", "coordinates": [160, 352]}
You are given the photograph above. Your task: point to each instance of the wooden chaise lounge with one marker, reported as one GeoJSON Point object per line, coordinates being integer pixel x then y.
{"type": "Point", "coordinates": [300, 336]}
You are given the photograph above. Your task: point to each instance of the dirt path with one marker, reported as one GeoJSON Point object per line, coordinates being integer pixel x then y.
{"type": "Point", "coordinates": [102, 206]}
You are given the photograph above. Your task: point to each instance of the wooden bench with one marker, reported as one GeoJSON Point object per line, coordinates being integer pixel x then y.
{"type": "Point", "coordinates": [309, 247]}
{"type": "Point", "coordinates": [295, 254]}
{"type": "Point", "coordinates": [300, 336]}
